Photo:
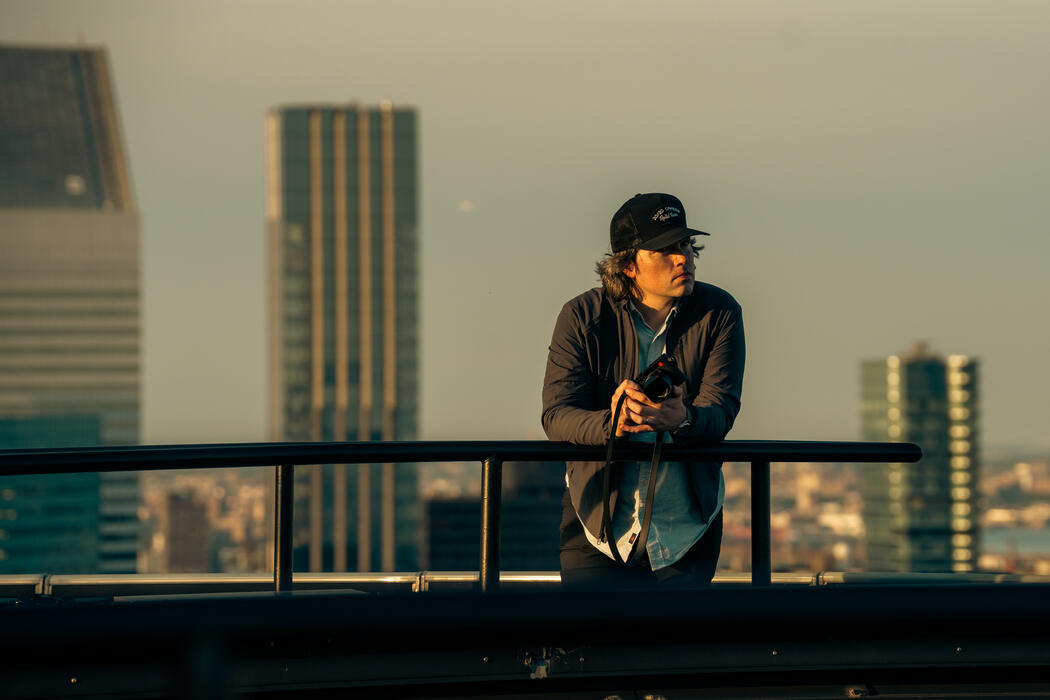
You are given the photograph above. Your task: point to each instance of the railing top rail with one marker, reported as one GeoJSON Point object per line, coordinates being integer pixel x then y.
{"type": "Point", "coordinates": [93, 459]}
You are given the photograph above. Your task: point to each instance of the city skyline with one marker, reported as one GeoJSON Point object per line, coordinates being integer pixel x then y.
{"type": "Point", "coordinates": [871, 175]}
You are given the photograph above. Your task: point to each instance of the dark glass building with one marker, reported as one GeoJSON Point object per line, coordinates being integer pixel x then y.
{"type": "Point", "coordinates": [529, 523]}
{"type": "Point", "coordinates": [50, 523]}
{"type": "Point", "coordinates": [922, 517]}
{"type": "Point", "coordinates": [59, 134]}
{"type": "Point", "coordinates": [69, 293]}
{"type": "Point", "coordinates": [343, 300]}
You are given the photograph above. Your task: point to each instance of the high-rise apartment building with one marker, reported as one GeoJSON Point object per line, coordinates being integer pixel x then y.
{"type": "Point", "coordinates": [922, 516]}
{"type": "Point", "coordinates": [69, 294]}
{"type": "Point", "coordinates": [343, 329]}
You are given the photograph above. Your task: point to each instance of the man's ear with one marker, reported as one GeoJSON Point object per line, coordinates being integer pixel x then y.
{"type": "Point", "coordinates": [630, 269]}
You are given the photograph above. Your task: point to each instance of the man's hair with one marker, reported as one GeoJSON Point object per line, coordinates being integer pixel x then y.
{"type": "Point", "coordinates": [611, 271]}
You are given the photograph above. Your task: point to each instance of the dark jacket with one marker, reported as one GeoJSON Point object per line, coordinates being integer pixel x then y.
{"type": "Point", "coordinates": [595, 348]}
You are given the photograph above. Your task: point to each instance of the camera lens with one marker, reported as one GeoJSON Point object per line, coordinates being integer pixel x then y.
{"type": "Point", "coordinates": [658, 389]}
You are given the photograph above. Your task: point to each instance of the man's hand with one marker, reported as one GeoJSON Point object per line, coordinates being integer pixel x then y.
{"type": "Point", "coordinates": [640, 414]}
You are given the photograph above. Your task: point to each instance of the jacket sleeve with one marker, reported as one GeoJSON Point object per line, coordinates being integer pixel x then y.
{"type": "Point", "coordinates": [718, 400]}
{"type": "Point", "coordinates": [569, 413]}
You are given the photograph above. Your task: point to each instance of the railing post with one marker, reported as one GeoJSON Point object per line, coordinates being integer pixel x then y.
{"type": "Point", "coordinates": [284, 499]}
{"type": "Point", "coordinates": [491, 494]}
{"type": "Point", "coordinates": [761, 560]}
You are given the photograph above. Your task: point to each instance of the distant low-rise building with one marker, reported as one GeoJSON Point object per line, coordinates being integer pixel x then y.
{"type": "Point", "coordinates": [187, 535]}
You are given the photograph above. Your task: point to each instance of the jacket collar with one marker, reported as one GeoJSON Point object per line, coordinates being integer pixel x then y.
{"type": "Point", "coordinates": [685, 304]}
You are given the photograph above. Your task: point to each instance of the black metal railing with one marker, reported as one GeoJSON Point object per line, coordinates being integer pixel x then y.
{"type": "Point", "coordinates": [491, 455]}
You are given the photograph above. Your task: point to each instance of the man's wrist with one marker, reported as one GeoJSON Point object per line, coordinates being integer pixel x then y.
{"type": "Point", "coordinates": [686, 425]}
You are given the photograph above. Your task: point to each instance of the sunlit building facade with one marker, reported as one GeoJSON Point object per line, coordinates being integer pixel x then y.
{"type": "Point", "coordinates": [343, 329]}
{"type": "Point", "coordinates": [922, 517]}
{"type": "Point", "coordinates": [69, 301]}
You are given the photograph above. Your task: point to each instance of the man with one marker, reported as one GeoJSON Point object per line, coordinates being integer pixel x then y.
{"type": "Point", "coordinates": [649, 303]}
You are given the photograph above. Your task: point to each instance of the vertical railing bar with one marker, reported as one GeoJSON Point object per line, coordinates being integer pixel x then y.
{"type": "Point", "coordinates": [284, 498]}
{"type": "Point", "coordinates": [491, 494]}
{"type": "Point", "coordinates": [761, 559]}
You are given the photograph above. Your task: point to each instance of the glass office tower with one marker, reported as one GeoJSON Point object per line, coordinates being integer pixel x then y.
{"type": "Point", "coordinates": [69, 302]}
{"type": "Point", "coordinates": [343, 327]}
{"type": "Point", "coordinates": [50, 523]}
{"type": "Point", "coordinates": [923, 516]}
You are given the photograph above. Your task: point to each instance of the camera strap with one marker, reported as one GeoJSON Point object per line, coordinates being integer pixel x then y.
{"type": "Point", "coordinates": [607, 530]}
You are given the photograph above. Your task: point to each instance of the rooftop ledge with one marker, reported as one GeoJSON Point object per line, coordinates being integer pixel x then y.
{"type": "Point", "coordinates": [923, 639]}
{"type": "Point", "coordinates": [432, 634]}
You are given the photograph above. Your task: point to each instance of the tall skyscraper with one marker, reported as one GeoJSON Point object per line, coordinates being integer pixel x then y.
{"type": "Point", "coordinates": [343, 330]}
{"type": "Point", "coordinates": [922, 516]}
{"type": "Point", "coordinates": [69, 293]}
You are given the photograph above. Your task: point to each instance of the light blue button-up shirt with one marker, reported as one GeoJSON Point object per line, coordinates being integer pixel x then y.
{"type": "Point", "coordinates": [676, 523]}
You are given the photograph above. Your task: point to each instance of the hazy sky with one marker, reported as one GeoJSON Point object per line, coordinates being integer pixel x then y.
{"type": "Point", "coordinates": [873, 173]}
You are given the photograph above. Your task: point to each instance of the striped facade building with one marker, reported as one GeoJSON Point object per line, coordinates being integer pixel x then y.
{"type": "Point", "coordinates": [342, 317]}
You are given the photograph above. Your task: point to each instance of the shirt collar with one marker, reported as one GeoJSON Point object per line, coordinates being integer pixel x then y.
{"type": "Point", "coordinates": [667, 321]}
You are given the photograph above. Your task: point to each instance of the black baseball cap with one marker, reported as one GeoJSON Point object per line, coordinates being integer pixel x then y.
{"type": "Point", "coordinates": [649, 222]}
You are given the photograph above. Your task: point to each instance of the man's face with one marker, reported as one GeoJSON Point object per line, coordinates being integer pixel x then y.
{"type": "Point", "coordinates": [663, 275]}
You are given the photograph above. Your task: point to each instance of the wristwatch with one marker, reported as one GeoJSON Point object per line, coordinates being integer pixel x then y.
{"type": "Point", "coordinates": [686, 423]}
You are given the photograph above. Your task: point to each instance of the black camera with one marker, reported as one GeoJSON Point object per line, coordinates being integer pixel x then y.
{"type": "Point", "coordinates": [660, 378]}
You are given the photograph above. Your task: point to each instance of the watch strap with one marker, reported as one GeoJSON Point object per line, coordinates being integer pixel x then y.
{"type": "Point", "coordinates": [686, 423]}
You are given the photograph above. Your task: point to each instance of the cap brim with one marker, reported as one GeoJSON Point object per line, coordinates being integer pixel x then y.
{"type": "Point", "coordinates": [668, 237]}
